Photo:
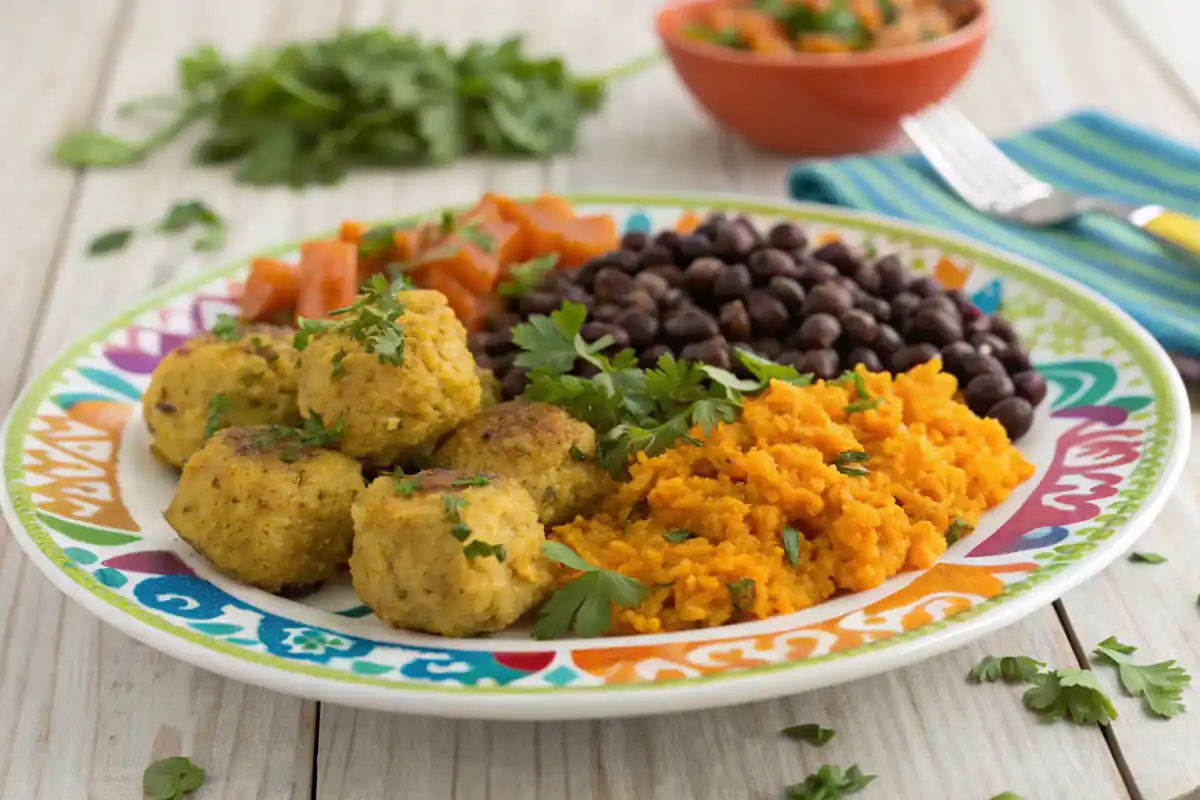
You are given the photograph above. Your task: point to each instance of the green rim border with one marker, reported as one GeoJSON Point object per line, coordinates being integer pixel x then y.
{"type": "Point", "coordinates": [20, 498]}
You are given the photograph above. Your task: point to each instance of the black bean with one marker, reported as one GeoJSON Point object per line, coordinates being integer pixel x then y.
{"type": "Point", "coordinates": [988, 343]}
{"type": "Point", "coordinates": [585, 369]}
{"type": "Point", "coordinates": [743, 222]}
{"type": "Point", "coordinates": [789, 291]}
{"type": "Point", "coordinates": [980, 324]}
{"type": "Point", "coordinates": [558, 281]}
{"type": "Point", "coordinates": [941, 304]}
{"type": "Point", "coordinates": [669, 240]}
{"type": "Point", "coordinates": [904, 304]}
{"type": "Point", "coordinates": [539, 303]}
{"type": "Point", "coordinates": [925, 286]}
{"type": "Point", "coordinates": [700, 275]}
{"type": "Point", "coordinates": [606, 312]}
{"type": "Point", "coordinates": [654, 255]}
{"type": "Point", "coordinates": [787, 236]}
{"type": "Point", "coordinates": [641, 327]}
{"type": "Point", "coordinates": [893, 275]}
{"type": "Point", "coordinates": [612, 285]}
{"type": "Point", "coordinates": [477, 342]}
{"type": "Point", "coordinates": [886, 342]}
{"type": "Point", "coordinates": [815, 274]}
{"type": "Point", "coordinates": [980, 364]}
{"type": "Point", "coordinates": [770, 263]}
{"type": "Point", "coordinates": [1004, 329]}
{"type": "Point", "coordinates": [953, 356]}
{"type": "Point", "coordinates": [692, 247]}
{"type": "Point", "coordinates": [860, 326]}
{"type": "Point", "coordinates": [767, 312]}
{"type": "Point", "coordinates": [732, 281]}
{"type": "Point", "coordinates": [984, 391]}
{"type": "Point", "coordinates": [586, 275]}
{"type": "Point", "coordinates": [877, 307]}
{"type": "Point", "coordinates": [501, 363]}
{"type": "Point", "coordinates": [707, 229]}
{"type": "Point", "coordinates": [637, 241]}
{"type": "Point", "coordinates": [819, 331]}
{"type": "Point", "coordinates": [499, 319]}
{"type": "Point", "coordinates": [961, 300]}
{"type": "Point", "coordinates": [935, 327]}
{"type": "Point", "coordinates": [513, 383]}
{"type": "Point", "coordinates": [732, 243]}
{"type": "Point", "coordinates": [654, 285]}
{"type": "Point", "coordinates": [1031, 385]}
{"type": "Point", "coordinates": [837, 254]}
{"type": "Point", "coordinates": [790, 358]}
{"type": "Point", "coordinates": [673, 299]}
{"type": "Point", "coordinates": [649, 357]}
{"type": "Point", "coordinates": [593, 330]}
{"type": "Point", "coordinates": [912, 355]}
{"type": "Point", "coordinates": [865, 356]}
{"type": "Point", "coordinates": [579, 295]}
{"type": "Point", "coordinates": [641, 300]}
{"type": "Point", "coordinates": [668, 272]}
{"type": "Point", "coordinates": [867, 278]}
{"type": "Point", "coordinates": [626, 260]}
{"type": "Point", "coordinates": [767, 348]}
{"type": "Point", "coordinates": [1014, 359]}
{"type": "Point", "coordinates": [828, 298]}
{"type": "Point", "coordinates": [821, 363]}
{"type": "Point", "coordinates": [620, 340]}
{"type": "Point", "coordinates": [735, 321]}
{"type": "Point", "coordinates": [712, 351]}
{"type": "Point", "coordinates": [483, 361]}
{"type": "Point", "coordinates": [691, 325]}
{"type": "Point", "coordinates": [1015, 414]}
{"type": "Point", "coordinates": [500, 341]}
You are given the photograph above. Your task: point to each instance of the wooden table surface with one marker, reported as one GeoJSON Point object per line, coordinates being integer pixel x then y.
{"type": "Point", "coordinates": [83, 709]}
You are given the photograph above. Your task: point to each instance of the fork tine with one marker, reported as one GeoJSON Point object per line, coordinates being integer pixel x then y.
{"type": "Point", "coordinates": [976, 142]}
{"type": "Point", "coordinates": [946, 161]}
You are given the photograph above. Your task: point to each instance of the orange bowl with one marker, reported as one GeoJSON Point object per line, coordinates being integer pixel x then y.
{"type": "Point", "coordinates": [816, 104]}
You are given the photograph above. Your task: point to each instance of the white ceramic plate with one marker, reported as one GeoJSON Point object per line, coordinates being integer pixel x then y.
{"type": "Point", "coordinates": [85, 500]}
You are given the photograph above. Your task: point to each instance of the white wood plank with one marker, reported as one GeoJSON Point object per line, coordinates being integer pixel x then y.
{"type": "Point", "coordinates": [86, 709]}
{"type": "Point", "coordinates": [1166, 33]}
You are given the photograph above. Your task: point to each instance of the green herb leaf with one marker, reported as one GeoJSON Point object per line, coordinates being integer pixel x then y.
{"type": "Point", "coordinates": [212, 239]}
{"type": "Point", "coordinates": [766, 370]}
{"type": "Point", "coordinates": [853, 472]}
{"type": "Point", "coordinates": [218, 406]}
{"type": "Point", "coordinates": [525, 278]}
{"type": "Point", "coordinates": [339, 368]}
{"type": "Point", "coordinates": [453, 505]}
{"type": "Point", "coordinates": [308, 328]}
{"type": "Point", "coordinates": [809, 732]}
{"type": "Point", "coordinates": [406, 486]}
{"type": "Point", "coordinates": [110, 242]}
{"type": "Point", "coordinates": [1012, 669]}
{"type": "Point", "coordinates": [461, 531]}
{"type": "Point", "coordinates": [171, 778]}
{"type": "Point", "coordinates": [577, 454]}
{"type": "Point", "coordinates": [677, 536]}
{"type": "Point", "coordinates": [1147, 558]}
{"type": "Point", "coordinates": [851, 457]}
{"type": "Point", "coordinates": [95, 149]}
{"type": "Point", "coordinates": [313, 431]}
{"type": "Point", "coordinates": [186, 213]}
{"type": "Point", "coordinates": [474, 480]}
{"type": "Point", "coordinates": [1007, 796]}
{"type": "Point", "coordinates": [1069, 693]}
{"type": "Point", "coordinates": [863, 405]}
{"type": "Point", "coordinates": [957, 529]}
{"type": "Point", "coordinates": [226, 328]}
{"type": "Point", "coordinates": [479, 549]}
{"type": "Point", "coordinates": [742, 593]}
{"type": "Point", "coordinates": [791, 544]}
{"type": "Point", "coordinates": [585, 604]}
{"type": "Point", "coordinates": [1161, 685]}
{"type": "Point", "coordinates": [829, 783]}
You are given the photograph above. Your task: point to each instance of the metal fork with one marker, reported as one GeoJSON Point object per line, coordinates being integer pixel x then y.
{"type": "Point", "coordinates": [992, 183]}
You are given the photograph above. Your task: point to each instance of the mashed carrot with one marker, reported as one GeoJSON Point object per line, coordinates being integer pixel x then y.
{"type": "Point", "coordinates": [931, 460]}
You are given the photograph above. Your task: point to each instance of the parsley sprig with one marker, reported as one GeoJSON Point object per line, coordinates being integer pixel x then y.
{"type": "Point", "coordinates": [525, 278]}
{"type": "Point", "coordinates": [370, 320]}
{"type": "Point", "coordinates": [171, 778]}
{"type": "Point", "coordinates": [809, 732]}
{"type": "Point", "coordinates": [219, 406]}
{"type": "Point", "coordinates": [1011, 669]}
{"type": "Point", "coordinates": [1069, 693]}
{"type": "Point", "coordinates": [585, 604]}
{"type": "Point", "coordinates": [829, 783]}
{"type": "Point", "coordinates": [633, 409]}
{"type": "Point", "coordinates": [1161, 685]}
{"type": "Point", "coordinates": [312, 433]}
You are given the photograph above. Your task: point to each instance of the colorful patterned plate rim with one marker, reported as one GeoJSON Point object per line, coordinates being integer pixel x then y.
{"type": "Point", "coordinates": [84, 499]}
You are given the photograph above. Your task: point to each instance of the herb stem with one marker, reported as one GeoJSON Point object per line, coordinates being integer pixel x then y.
{"type": "Point", "coordinates": [629, 68]}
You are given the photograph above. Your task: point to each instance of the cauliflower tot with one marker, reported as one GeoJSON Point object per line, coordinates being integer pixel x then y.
{"type": "Point", "coordinates": [451, 553]}
{"type": "Point", "coordinates": [265, 510]}
{"type": "Point", "coordinates": [255, 373]}
{"type": "Point", "coordinates": [549, 452]}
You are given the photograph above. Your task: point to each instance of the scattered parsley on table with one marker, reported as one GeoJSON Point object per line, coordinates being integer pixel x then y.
{"type": "Point", "coordinates": [809, 732]}
{"type": "Point", "coordinates": [1160, 685]}
{"type": "Point", "coordinates": [1147, 558]}
{"type": "Point", "coordinates": [829, 783]}
{"type": "Point", "coordinates": [171, 778]}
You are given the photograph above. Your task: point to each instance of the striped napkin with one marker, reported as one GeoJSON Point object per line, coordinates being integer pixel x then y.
{"type": "Point", "coordinates": [1088, 152]}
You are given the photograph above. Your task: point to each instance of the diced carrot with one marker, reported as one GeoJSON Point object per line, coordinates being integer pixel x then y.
{"type": "Point", "coordinates": [508, 244]}
{"type": "Point", "coordinates": [483, 304]}
{"type": "Point", "coordinates": [586, 237]}
{"type": "Point", "coordinates": [461, 299]}
{"type": "Point", "coordinates": [822, 43]}
{"type": "Point", "coordinates": [687, 222]}
{"type": "Point", "coordinates": [270, 291]}
{"type": "Point", "coordinates": [408, 243]}
{"type": "Point", "coordinates": [328, 277]}
{"type": "Point", "coordinates": [351, 231]}
{"type": "Point", "coordinates": [761, 31]}
{"type": "Point", "coordinates": [510, 210]}
{"type": "Point", "coordinates": [554, 205]}
{"type": "Point", "coordinates": [543, 234]}
{"type": "Point", "coordinates": [486, 210]}
{"type": "Point", "coordinates": [463, 261]}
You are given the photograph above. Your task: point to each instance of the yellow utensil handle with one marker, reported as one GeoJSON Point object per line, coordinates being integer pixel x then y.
{"type": "Point", "coordinates": [1179, 229]}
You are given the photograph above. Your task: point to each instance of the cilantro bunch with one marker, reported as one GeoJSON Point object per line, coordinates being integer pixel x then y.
{"type": "Point", "coordinates": [309, 112]}
{"type": "Point", "coordinates": [633, 409]}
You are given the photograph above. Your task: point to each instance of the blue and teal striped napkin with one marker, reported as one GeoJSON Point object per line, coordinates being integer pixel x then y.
{"type": "Point", "coordinates": [1089, 152]}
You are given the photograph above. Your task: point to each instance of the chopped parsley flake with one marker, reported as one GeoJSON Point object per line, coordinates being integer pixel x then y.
{"type": "Point", "coordinates": [474, 480]}
{"type": "Point", "coordinates": [478, 549]}
{"type": "Point", "coordinates": [370, 320]}
{"type": "Point", "coordinates": [742, 593]}
{"type": "Point", "coordinates": [677, 536]}
{"type": "Point", "coordinates": [453, 505]}
{"type": "Point", "coordinates": [809, 732]}
{"type": "Point", "coordinates": [226, 328]}
{"type": "Point", "coordinates": [406, 486]}
{"type": "Point", "coordinates": [218, 406]}
{"type": "Point", "coordinates": [577, 454]}
{"type": "Point", "coordinates": [791, 544]}
{"type": "Point", "coordinates": [958, 528]}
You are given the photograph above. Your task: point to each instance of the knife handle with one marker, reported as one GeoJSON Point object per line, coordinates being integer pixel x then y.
{"type": "Point", "coordinates": [1171, 226]}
